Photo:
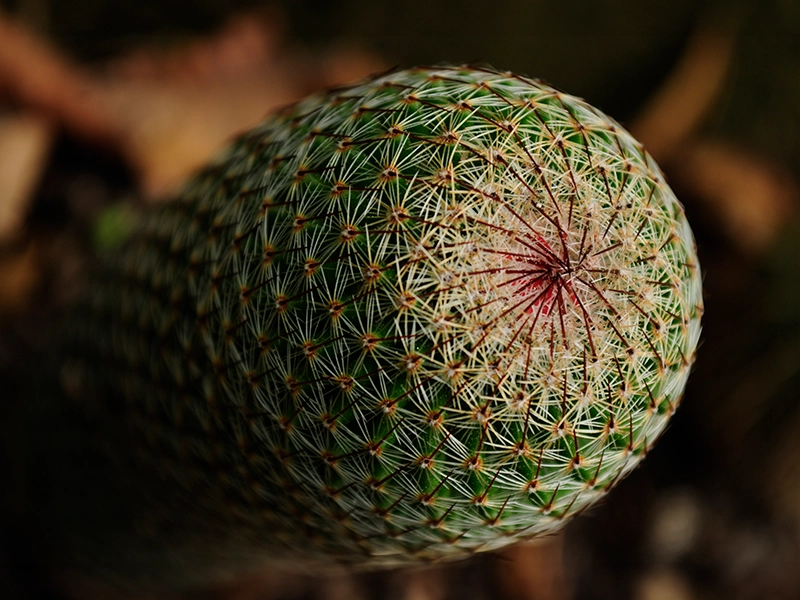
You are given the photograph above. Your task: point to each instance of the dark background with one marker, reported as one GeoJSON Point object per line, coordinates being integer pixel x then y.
{"type": "Point", "coordinates": [711, 87]}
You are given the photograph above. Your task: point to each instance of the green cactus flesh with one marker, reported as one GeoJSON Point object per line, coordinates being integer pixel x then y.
{"type": "Point", "coordinates": [413, 319]}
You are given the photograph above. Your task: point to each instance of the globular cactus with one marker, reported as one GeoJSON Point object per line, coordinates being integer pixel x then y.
{"type": "Point", "coordinates": [413, 319]}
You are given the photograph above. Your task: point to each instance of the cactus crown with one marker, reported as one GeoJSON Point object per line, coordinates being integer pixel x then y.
{"type": "Point", "coordinates": [411, 319]}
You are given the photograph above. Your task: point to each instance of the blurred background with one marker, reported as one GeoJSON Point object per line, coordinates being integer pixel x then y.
{"type": "Point", "coordinates": [109, 104]}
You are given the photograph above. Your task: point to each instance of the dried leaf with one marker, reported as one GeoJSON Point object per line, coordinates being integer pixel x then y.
{"type": "Point", "coordinates": [687, 96]}
{"type": "Point", "coordinates": [534, 571]}
{"type": "Point", "coordinates": [19, 275]}
{"type": "Point", "coordinates": [751, 197]}
{"type": "Point", "coordinates": [168, 112]}
{"type": "Point", "coordinates": [37, 76]}
{"type": "Point", "coordinates": [25, 140]}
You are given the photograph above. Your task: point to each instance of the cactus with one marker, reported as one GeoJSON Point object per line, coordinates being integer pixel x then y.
{"type": "Point", "coordinates": [413, 319]}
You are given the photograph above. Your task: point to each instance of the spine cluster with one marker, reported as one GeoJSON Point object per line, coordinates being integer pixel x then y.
{"type": "Point", "coordinates": [412, 319]}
